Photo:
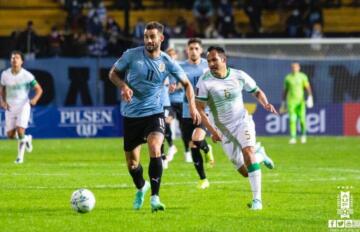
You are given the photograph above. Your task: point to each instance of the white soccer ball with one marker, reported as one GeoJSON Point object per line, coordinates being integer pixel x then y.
{"type": "Point", "coordinates": [82, 200]}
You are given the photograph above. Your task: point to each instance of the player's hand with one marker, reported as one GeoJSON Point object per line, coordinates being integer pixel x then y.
{"type": "Point", "coordinates": [172, 87]}
{"type": "Point", "coordinates": [282, 109]}
{"type": "Point", "coordinates": [126, 93]}
{"type": "Point", "coordinates": [269, 107]}
{"type": "Point", "coordinates": [33, 102]}
{"type": "Point", "coordinates": [195, 115]}
{"type": "Point", "coordinates": [216, 136]}
{"type": "Point", "coordinates": [310, 102]}
{"type": "Point", "coordinates": [5, 105]}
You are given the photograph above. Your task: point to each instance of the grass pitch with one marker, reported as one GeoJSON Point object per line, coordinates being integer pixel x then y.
{"type": "Point", "coordinates": [300, 194]}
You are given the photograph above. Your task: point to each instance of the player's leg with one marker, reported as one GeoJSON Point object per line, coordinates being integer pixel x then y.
{"type": "Point", "coordinates": [21, 145]}
{"type": "Point", "coordinates": [133, 138]}
{"type": "Point", "coordinates": [168, 135]}
{"type": "Point", "coordinates": [246, 138]}
{"type": "Point", "coordinates": [198, 138]}
{"type": "Point", "coordinates": [301, 111]}
{"type": "Point", "coordinates": [186, 131]}
{"type": "Point", "coordinates": [198, 142]}
{"type": "Point", "coordinates": [155, 137]}
{"type": "Point", "coordinates": [292, 122]}
{"type": "Point", "coordinates": [22, 122]}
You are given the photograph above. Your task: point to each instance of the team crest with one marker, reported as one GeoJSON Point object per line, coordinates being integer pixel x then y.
{"type": "Point", "coordinates": [161, 67]}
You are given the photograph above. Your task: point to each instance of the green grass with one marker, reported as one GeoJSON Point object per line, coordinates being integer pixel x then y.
{"type": "Point", "coordinates": [299, 195]}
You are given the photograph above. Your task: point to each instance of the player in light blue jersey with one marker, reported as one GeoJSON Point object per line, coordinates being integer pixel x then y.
{"type": "Point", "coordinates": [195, 134]}
{"type": "Point", "coordinates": [142, 107]}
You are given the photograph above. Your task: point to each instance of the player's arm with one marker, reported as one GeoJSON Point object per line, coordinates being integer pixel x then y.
{"type": "Point", "coordinates": [283, 99]}
{"type": "Point", "coordinates": [3, 103]}
{"type": "Point", "coordinates": [38, 92]}
{"type": "Point", "coordinates": [189, 92]}
{"type": "Point", "coordinates": [310, 99]}
{"type": "Point", "coordinates": [200, 105]}
{"type": "Point", "coordinates": [262, 99]}
{"type": "Point", "coordinates": [118, 80]}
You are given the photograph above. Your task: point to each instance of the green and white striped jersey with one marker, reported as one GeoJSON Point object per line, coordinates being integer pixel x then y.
{"type": "Point", "coordinates": [224, 95]}
{"type": "Point", "coordinates": [17, 86]}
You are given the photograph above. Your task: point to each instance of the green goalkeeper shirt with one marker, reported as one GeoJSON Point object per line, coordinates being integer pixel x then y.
{"type": "Point", "coordinates": [295, 83]}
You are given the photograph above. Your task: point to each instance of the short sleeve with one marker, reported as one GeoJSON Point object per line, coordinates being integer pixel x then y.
{"type": "Point", "coordinates": [176, 71]}
{"type": "Point", "coordinates": [201, 92]}
{"type": "Point", "coordinates": [123, 62]}
{"type": "Point", "coordinates": [249, 83]}
{"type": "Point", "coordinates": [2, 79]}
{"type": "Point", "coordinates": [305, 81]}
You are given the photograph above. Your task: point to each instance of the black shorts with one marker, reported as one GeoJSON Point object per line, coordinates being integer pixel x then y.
{"type": "Point", "coordinates": [188, 128]}
{"type": "Point", "coordinates": [176, 110]}
{"type": "Point", "coordinates": [136, 130]}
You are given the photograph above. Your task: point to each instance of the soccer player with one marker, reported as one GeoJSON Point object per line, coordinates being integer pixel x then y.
{"type": "Point", "coordinates": [221, 89]}
{"type": "Point", "coordinates": [16, 83]}
{"type": "Point", "coordinates": [294, 85]}
{"type": "Point", "coordinates": [195, 134]}
{"type": "Point", "coordinates": [142, 107]}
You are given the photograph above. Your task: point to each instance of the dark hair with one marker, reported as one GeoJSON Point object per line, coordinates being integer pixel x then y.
{"type": "Point", "coordinates": [218, 49]}
{"type": "Point", "coordinates": [194, 40]}
{"type": "Point", "coordinates": [17, 52]}
{"type": "Point", "coordinates": [155, 25]}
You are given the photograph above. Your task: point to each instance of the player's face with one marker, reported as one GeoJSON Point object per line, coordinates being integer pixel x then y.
{"type": "Point", "coordinates": [216, 62]}
{"type": "Point", "coordinates": [295, 67]}
{"type": "Point", "coordinates": [194, 51]}
{"type": "Point", "coordinates": [152, 40]}
{"type": "Point", "coordinates": [16, 61]}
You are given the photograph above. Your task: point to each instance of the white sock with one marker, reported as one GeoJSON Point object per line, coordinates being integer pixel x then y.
{"type": "Point", "coordinates": [259, 157]}
{"type": "Point", "coordinates": [255, 183]}
{"type": "Point", "coordinates": [21, 148]}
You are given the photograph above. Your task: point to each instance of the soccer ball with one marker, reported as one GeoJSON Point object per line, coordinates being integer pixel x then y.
{"type": "Point", "coordinates": [82, 200]}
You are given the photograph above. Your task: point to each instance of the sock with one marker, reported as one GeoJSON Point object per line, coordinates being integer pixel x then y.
{"type": "Point", "coordinates": [168, 135]}
{"type": "Point", "coordinates": [155, 173]}
{"type": "Point", "coordinates": [202, 145]}
{"type": "Point", "coordinates": [198, 162]}
{"type": "Point", "coordinates": [21, 147]}
{"type": "Point", "coordinates": [258, 155]}
{"type": "Point", "coordinates": [255, 180]}
{"type": "Point", "coordinates": [137, 176]}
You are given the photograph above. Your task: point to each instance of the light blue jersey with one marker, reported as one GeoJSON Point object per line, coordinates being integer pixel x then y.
{"type": "Point", "coordinates": [165, 93]}
{"type": "Point", "coordinates": [178, 95]}
{"type": "Point", "coordinates": [145, 76]}
{"type": "Point", "coordinates": [193, 71]}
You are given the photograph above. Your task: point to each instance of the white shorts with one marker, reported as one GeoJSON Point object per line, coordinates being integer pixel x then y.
{"type": "Point", "coordinates": [17, 117]}
{"type": "Point", "coordinates": [240, 135]}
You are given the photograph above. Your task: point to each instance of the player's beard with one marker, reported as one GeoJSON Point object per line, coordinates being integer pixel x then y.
{"type": "Point", "coordinates": [151, 48]}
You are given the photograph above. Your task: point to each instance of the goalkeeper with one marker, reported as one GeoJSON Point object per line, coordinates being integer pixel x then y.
{"type": "Point", "coordinates": [294, 85]}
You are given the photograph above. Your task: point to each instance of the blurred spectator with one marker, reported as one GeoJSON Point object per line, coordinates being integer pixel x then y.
{"type": "Point", "coordinates": [203, 11]}
{"type": "Point", "coordinates": [98, 46]}
{"type": "Point", "coordinates": [55, 40]}
{"type": "Point", "coordinates": [191, 30]}
{"type": "Point", "coordinates": [180, 27]}
{"type": "Point", "coordinates": [313, 16]}
{"type": "Point", "coordinates": [28, 41]}
{"type": "Point", "coordinates": [94, 26]}
{"type": "Point", "coordinates": [225, 18]}
{"type": "Point", "coordinates": [211, 32]}
{"type": "Point", "coordinates": [253, 9]}
{"type": "Point", "coordinates": [294, 24]}
{"type": "Point", "coordinates": [74, 9]}
{"type": "Point", "coordinates": [138, 32]}
{"type": "Point", "coordinates": [316, 34]}
{"type": "Point", "coordinates": [80, 44]}
{"type": "Point", "coordinates": [100, 11]}
{"type": "Point", "coordinates": [113, 33]}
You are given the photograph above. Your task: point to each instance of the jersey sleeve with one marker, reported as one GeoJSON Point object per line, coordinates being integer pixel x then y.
{"type": "Point", "coordinates": [32, 80]}
{"type": "Point", "coordinates": [123, 62]}
{"type": "Point", "coordinates": [201, 92]}
{"type": "Point", "coordinates": [2, 79]}
{"type": "Point", "coordinates": [176, 71]}
{"type": "Point", "coordinates": [305, 81]}
{"type": "Point", "coordinates": [249, 83]}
